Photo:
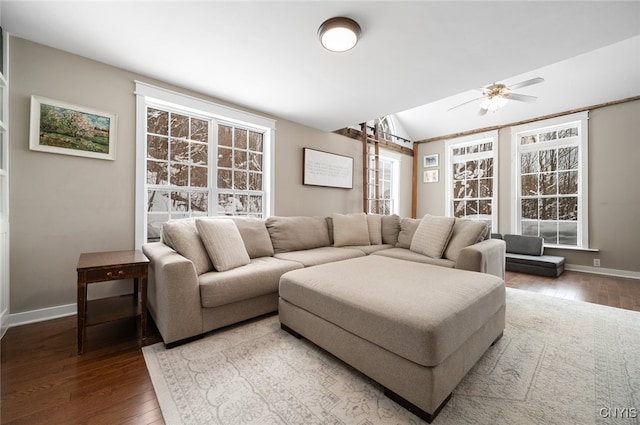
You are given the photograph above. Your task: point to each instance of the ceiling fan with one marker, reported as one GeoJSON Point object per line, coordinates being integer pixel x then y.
{"type": "Point", "coordinates": [495, 96]}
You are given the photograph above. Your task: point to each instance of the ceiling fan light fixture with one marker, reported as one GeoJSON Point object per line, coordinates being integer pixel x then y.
{"type": "Point", "coordinates": [493, 103]}
{"type": "Point", "coordinates": [339, 34]}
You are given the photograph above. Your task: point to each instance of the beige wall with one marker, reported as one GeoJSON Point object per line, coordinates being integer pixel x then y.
{"type": "Point", "coordinates": [293, 198]}
{"type": "Point", "coordinates": [614, 196]}
{"type": "Point", "coordinates": [63, 205]}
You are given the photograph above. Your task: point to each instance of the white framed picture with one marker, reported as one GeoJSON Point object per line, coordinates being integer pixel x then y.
{"type": "Point", "coordinates": [431, 176]}
{"type": "Point", "coordinates": [60, 127]}
{"type": "Point", "coordinates": [431, 160]}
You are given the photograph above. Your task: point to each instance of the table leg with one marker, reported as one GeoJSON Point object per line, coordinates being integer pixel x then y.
{"type": "Point", "coordinates": [143, 307]}
{"type": "Point", "coordinates": [82, 311]}
{"type": "Point", "coordinates": [135, 291]}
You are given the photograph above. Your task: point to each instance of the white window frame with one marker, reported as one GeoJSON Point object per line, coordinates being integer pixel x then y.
{"type": "Point", "coordinates": [395, 185]}
{"type": "Point", "coordinates": [582, 119]}
{"type": "Point", "coordinates": [490, 136]}
{"type": "Point", "coordinates": [152, 96]}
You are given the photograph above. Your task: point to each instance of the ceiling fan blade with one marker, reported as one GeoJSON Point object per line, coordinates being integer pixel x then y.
{"type": "Point", "coordinates": [465, 103]}
{"type": "Point", "coordinates": [526, 83]}
{"type": "Point", "coordinates": [520, 97]}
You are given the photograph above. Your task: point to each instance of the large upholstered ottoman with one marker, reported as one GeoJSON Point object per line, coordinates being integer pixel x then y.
{"type": "Point", "coordinates": [414, 328]}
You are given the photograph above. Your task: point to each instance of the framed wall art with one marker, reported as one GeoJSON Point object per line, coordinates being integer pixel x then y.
{"type": "Point", "coordinates": [327, 169]}
{"type": "Point", "coordinates": [431, 160]}
{"type": "Point", "coordinates": [60, 127]}
{"type": "Point", "coordinates": [431, 176]}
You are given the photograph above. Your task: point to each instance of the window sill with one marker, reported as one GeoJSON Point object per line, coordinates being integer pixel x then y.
{"type": "Point", "coordinates": [571, 248]}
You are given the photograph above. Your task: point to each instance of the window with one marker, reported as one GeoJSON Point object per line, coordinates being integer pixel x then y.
{"type": "Point", "coordinates": [472, 179]}
{"type": "Point", "coordinates": [196, 158]}
{"type": "Point", "coordinates": [240, 165]}
{"type": "Point", "coordinates": [550, 173]}
{"type": "Point", "coordinates": [177, 167]}
{"type": "Point", "coordinates": [382, 190]}
{"type": "Point", "coordinates": [387, 128]}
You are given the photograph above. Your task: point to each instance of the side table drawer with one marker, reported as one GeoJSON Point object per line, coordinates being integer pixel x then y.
{"type": "Point", "coordinates": [123, 272]}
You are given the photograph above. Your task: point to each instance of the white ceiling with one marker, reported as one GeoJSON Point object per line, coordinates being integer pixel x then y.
{"type": "Point", "coordinates": [415, 58]}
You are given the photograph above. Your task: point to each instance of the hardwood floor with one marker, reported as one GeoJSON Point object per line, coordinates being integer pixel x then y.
{"type": "Point", "coordinates": [44, 381]}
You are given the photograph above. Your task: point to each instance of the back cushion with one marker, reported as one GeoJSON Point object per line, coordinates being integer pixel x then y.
{"type": "Point", "coordinates": [350, 229]}
{"type": "Point", "coordinates": [526, 245]}
{"type": "Point", "coordinates": [465, 233]}
{"type": "Point", "coordinates": [183, 237]}
{"type": "Point", "coordinates": [374, 222]}
{"type": "Point", "coordinates": [432, 235]}
{"type": "Point", "coordinates": [408, 227]}
{"type": "Point", "coordinates": [390, 229]}
{"type": "Point", "coordinates": [255, 236]}
{"type": "Point", "coordinates": [296, 233]}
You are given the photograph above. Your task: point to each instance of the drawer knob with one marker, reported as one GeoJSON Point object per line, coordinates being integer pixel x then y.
{"type": "Point", "coordinates": [120, 273]}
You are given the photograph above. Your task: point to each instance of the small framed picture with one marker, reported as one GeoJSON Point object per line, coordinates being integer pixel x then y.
{"type": "Point", "coordinates": [431, 176]}
{"type": "Point", "coordinates": [60, 127]}
{"type": "Point", "coordinates": [431, 160]}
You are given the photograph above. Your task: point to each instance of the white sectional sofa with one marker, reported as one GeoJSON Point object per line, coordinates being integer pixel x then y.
{"type": "Point", "coordinates": [212, 272]}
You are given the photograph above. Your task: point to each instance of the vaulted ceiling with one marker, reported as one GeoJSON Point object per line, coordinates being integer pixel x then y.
{"type": "Point", "coordinates": [416, 59]}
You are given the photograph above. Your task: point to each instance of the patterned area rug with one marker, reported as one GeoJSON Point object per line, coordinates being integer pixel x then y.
{"type": "Point", "coordinates": [559, 362]}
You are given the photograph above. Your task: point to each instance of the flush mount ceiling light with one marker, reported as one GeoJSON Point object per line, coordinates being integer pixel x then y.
{"type": "Point", "coordinates": [339, 34]}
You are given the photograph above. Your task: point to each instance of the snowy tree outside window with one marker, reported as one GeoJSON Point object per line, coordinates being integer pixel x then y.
{"type": "Point", "coordinates": [472, 178]}
{"type": "Point", "coordinates": [550, 180]}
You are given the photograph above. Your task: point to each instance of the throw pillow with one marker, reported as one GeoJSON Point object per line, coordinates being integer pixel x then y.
{"type": "Point", "coordinates": [224, 244]}
{"type": "Point", "coordinates": [351, 229]}
{"type": "Point", "coordinates": [183, 237]}
{"type": "Point", "coordinates": [374, 222]}
{"type": "Point", "coordinates": [408, 227]}
{"type": "Point", "coordinates": [465, 233]}
{"type": "Point", "coordinates": [432, 235]}
{"type": "Point", "coordinates": [390, 229]}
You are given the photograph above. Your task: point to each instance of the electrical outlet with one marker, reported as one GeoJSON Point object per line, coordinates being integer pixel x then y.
{"type": "Point", "coordinates": [596, 262]}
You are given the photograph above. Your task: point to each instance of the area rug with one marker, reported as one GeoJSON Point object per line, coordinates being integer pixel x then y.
{"type": "Point", "coordinates": [559, 362]}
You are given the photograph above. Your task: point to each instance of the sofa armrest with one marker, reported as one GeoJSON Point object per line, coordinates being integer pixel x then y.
{"type": "Point", "coordinates": [485, 257]}
{"type": "Point", "coordinates": [173, 294]}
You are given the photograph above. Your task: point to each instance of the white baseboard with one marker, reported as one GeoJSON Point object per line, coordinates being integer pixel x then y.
{"type": "Point", "coordinates": [4, 322]}
{"type": "Point", "coordinates": [41, 315]}
{"type": "Point", "coordinates": [603, 271]}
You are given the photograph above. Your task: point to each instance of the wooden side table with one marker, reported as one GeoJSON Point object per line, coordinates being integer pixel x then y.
{"type": "Point", "coordinates": [105, 266]}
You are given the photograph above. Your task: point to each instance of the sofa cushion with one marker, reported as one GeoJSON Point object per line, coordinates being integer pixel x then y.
{"type": "Point", "coordinates": [183, 237]}
{"type": "Point", "coordinates": [465, 232]}
{"type": "Point", "coordinates": [408, 227]}
{"type": "Point", "coordinates": [549, 261]}
{"type": "Point", "coordinates": [370, 249]}
{"type": "Point", "coordinates": [260, 277]}
{"type": "Point", "coordinates": [374, 223]}
{"type": "Point", "coordinates": [350, 229]}
{"type": "Point", "coordinates": [224, 244]}
{"type": "Point", "coordinates": [408, 255]}
{"type": "Point", "coordinates": [322, 255]}
{"type": "Point", "coordinates": [296, 233]}
{"type": "Point", "coordinates": [526, 245]}
{"type": "Point", "coordinates": [424, 316]}
{"type": "Point", "coordinates": [390, 229]}
{"type": "Point", "coordinates": [432, 235]}
{"type": "Point", "coordinates": [255, 236]}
